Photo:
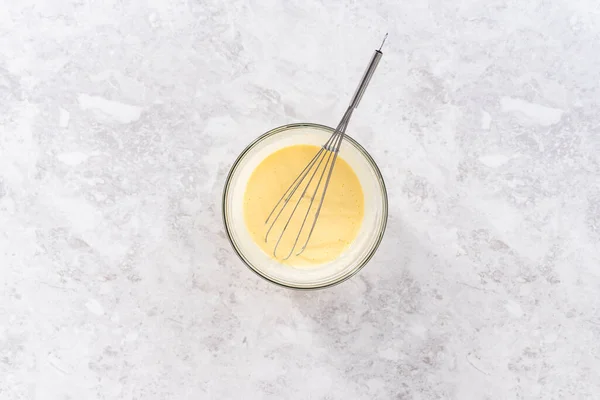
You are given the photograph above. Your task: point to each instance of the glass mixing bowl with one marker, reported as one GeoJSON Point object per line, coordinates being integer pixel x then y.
{"type": "Point", "coordinates": [360, 251]}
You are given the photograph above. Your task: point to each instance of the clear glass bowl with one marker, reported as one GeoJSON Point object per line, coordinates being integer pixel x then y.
{"type": "Point", "coordinates": [354, 258]}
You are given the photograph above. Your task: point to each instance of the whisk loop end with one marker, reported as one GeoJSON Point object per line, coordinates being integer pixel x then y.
{"type": "Point", "coordinates": [383, 42]}
{"type": "Point", "coordinates": [328, 154]}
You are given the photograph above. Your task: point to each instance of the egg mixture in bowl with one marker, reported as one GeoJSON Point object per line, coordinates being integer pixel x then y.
{"type": "Point", "coordinates": [351, 220]}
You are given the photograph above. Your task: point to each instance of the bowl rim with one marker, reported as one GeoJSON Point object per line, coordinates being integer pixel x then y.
{"type": "Point", "coordinates": [275, 131]}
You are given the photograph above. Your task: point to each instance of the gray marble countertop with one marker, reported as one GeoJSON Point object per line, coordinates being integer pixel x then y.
{"type": "Point", "coordinates": [119, 121]}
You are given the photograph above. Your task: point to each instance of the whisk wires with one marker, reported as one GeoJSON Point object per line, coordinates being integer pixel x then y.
{"type": "Point", "coordinates": [327, 153]}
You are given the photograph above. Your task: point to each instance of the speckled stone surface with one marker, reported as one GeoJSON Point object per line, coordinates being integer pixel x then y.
{"type": "Point", "coordinates": [119, 121]}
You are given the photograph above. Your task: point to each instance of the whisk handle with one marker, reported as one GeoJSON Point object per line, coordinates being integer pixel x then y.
{"type": "Point", "coordinates": [364, 82]}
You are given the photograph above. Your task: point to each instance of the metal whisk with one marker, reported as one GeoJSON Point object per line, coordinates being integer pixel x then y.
{"type": "Point", "coordinates": [328, 152]}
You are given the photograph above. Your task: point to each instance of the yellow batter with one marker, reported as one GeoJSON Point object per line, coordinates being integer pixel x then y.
{"type": "Point", "coordinates": [339, 220]}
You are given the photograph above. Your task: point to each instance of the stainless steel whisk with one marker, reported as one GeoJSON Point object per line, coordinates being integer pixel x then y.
{"type": "Point", "coordinates": [328, 151]}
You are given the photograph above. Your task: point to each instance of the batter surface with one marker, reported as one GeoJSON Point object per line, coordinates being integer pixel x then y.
{"type": "Point", "coordinates": [339, 220]}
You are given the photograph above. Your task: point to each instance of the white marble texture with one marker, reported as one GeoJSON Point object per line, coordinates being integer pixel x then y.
{"type": "Point", "coordinates": [120, 119]}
